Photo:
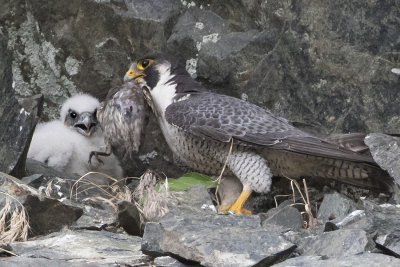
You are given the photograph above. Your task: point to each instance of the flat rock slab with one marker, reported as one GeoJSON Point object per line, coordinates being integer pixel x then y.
{"type": "Point", "coordinates": [215, 240]}
{"type": "Point", "coordinates": [83, 247]}
{"type": "Point", "coordinates": [362, 260]}
{"type": "Point", "coordinates": [336, 243]}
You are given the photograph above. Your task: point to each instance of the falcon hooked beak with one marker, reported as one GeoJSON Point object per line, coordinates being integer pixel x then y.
{"type": "Point", "coordinates": [136, 70]}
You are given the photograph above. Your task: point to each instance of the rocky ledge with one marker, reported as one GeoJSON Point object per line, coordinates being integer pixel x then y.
{"type": "Point", "coordinates": [84, 232]}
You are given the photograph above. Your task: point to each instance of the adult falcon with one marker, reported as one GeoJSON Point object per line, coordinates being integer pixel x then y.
{"type": "Point", "coordinates": [199, 127]}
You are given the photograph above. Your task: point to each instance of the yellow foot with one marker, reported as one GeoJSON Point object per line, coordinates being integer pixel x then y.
{"type": "Point", "coordinates": [237, 206]}
{"type": "Point", "coordinates": [241, 211]}
{"type": "Point", "coordinates": [226, 208]}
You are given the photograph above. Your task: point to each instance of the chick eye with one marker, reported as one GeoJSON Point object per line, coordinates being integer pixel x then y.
{"type": "Point", "coordinates": [144, 63]}
{"type": "Point", "coordinates": [72, 115]}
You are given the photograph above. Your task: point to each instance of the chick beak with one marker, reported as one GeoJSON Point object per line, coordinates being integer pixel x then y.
{"type": "Point", "coordinates": [86, 124]}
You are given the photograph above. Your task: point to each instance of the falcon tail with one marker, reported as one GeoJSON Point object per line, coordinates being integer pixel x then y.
{"type": "Point", "coordinates": [296, 165]}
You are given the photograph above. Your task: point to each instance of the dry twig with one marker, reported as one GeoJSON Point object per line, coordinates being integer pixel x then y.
{"type": "Point", "coordinates": [14, 223]}
{"type": "Point", "coordinates": [222, 172]}
{"type": "Point", "coordinates": [306, 201]}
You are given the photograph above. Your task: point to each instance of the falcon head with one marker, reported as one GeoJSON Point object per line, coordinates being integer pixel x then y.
{"type": "Point", "coordinates": [79, 113]}
{"type": "Point", "coordinates": [163, 81]}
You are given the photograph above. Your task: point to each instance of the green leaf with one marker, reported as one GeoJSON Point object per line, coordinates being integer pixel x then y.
{"type": "Point", "coordinates": [189, 179]}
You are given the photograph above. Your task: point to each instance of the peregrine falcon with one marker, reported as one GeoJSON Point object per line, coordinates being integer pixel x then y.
{"type": "Point", "coordinates": [200, 125]}
{"type": "Point", "coordinates": [122, 116]}
{"type": "Point", "coordinates": [65, 144]}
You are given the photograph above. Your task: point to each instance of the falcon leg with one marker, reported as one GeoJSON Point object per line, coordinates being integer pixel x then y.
{"type": "Point", "coordinates": [228, 191]}
{"type": "Point", "coordinates": [252, 171]}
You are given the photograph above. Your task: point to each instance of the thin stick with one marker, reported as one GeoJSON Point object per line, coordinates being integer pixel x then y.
{"type": "Point", "coordinates": [276, 201]}
{"type": "Point", "coordinates": [9, 252]}
{"type": "Point", "coordinates": [222, 171]}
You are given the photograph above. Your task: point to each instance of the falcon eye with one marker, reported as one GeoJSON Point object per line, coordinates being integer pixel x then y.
{"type": "Point", "coordinates": [144, 64]}
{"type": "Point", "coordinates": [72, 115]}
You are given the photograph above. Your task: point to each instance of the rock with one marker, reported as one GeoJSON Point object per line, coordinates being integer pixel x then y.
{"type": "Point", "coordinates": [336, 244]}
{"type": "Point", "coordinates": [335, 206]}
{"type": "Point", "coordinates": [45, 215]}
{"type": "Point", "coordinates": [18, 122]}
{"type": "Point", "coordinates": [361, 260]}
{"type": "Point", "coordinates": [385, 150]}
{"type": "Point", "coordinates": [192, 199]}
{"type": "Point", "coordinates": [215, 240]}
{"type": "Point", "coordinates": [84, 247]}
{"type": "Point", "coordinates": [95, 219]}
{"type": "Point", "coordinates": [192, 232]}
{"type": "Point", "coordinates": [33, 168]}
{"type": "Point", "coordinates": [40, 262]}
{"type": "Point", "coordinates": [330, 226]}
{"type": "Point", "coordinates": [379, 221]}
{"type": "Point", "coordinates": [287, 216]}
{"type": "Point", "coordinates": [270, 53]}
{"type": "Point", "coordinates": [129, 218]}
{"type": "Point", "coordinates": [167, 261]}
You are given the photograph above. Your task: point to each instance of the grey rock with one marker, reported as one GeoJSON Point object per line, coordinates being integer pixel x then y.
{"type": "Point", "coordinates": [288, 217]}
{"type": "Point", "coordinates": [214, 239]}
{"type": "Point", "coordinates": [193, 29]}
{"type": "Point", "coordinates": [335, 206]}
{"type": "Point", "coordinates": [167, 261]}
{"type": "Point", "coordinates": [385, 150]}
{"type": "Point", "coordinates": [192, 199]}
{"type": "Point", "coordinates": [34, 180]}
{"type": "Point", "coordinates": [129, 218]}
{"type": "Point", "coordinates": [18, 122]}
{"type": "Point", "coordinates": [330, 226]}
{"type": "Point", "coordinates": [152, 10]}
{"type": "Point", "coordinates": [33, 168]}
{"type": "Point", "coordinates": [336, 244]}
{"type": "Point", "coordinates": [271, 53]}
{"type": "Point", "coordinates": [94, 218]}
{"type": "Point", "coordinates": [379, 221]}
{"type": "Point", "coordinates": [45, 215]}
{"type": "Point", "coordinates": [361, 260]}
{"type": "Point", "coordinates": [40, 262]}
{"type": "Point", "coordinates": [191, 230]}
{"type": "Point", "coordinates": [96, 247]}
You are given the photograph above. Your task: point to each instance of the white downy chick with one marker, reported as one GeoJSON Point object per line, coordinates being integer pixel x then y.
{"type": "Point", "coordinates": [66, 144]}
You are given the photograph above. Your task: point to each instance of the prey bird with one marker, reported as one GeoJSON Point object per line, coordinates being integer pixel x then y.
{"type": "Point", "coordinates": [199, 127]}
{"type": "Point", "coordinates": [65, 144]}
{"type": "Point", "coordinates": [122, 117]}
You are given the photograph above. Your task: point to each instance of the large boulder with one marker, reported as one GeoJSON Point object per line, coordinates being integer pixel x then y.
{"type": "Point", "coordinates": [17, 121]}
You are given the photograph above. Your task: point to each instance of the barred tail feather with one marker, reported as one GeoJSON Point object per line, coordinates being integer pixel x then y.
{"type": "Point", "coordinates": [295, 165]}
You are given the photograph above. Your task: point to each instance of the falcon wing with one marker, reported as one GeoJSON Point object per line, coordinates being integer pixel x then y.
{"type": "Point", "coordinates": [223, 118]}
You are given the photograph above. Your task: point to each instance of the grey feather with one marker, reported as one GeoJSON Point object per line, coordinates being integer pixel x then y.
{"type": "Point", "coordinates": [122, 116]}
{"type": "Point", "coordinates": [222, 118]}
